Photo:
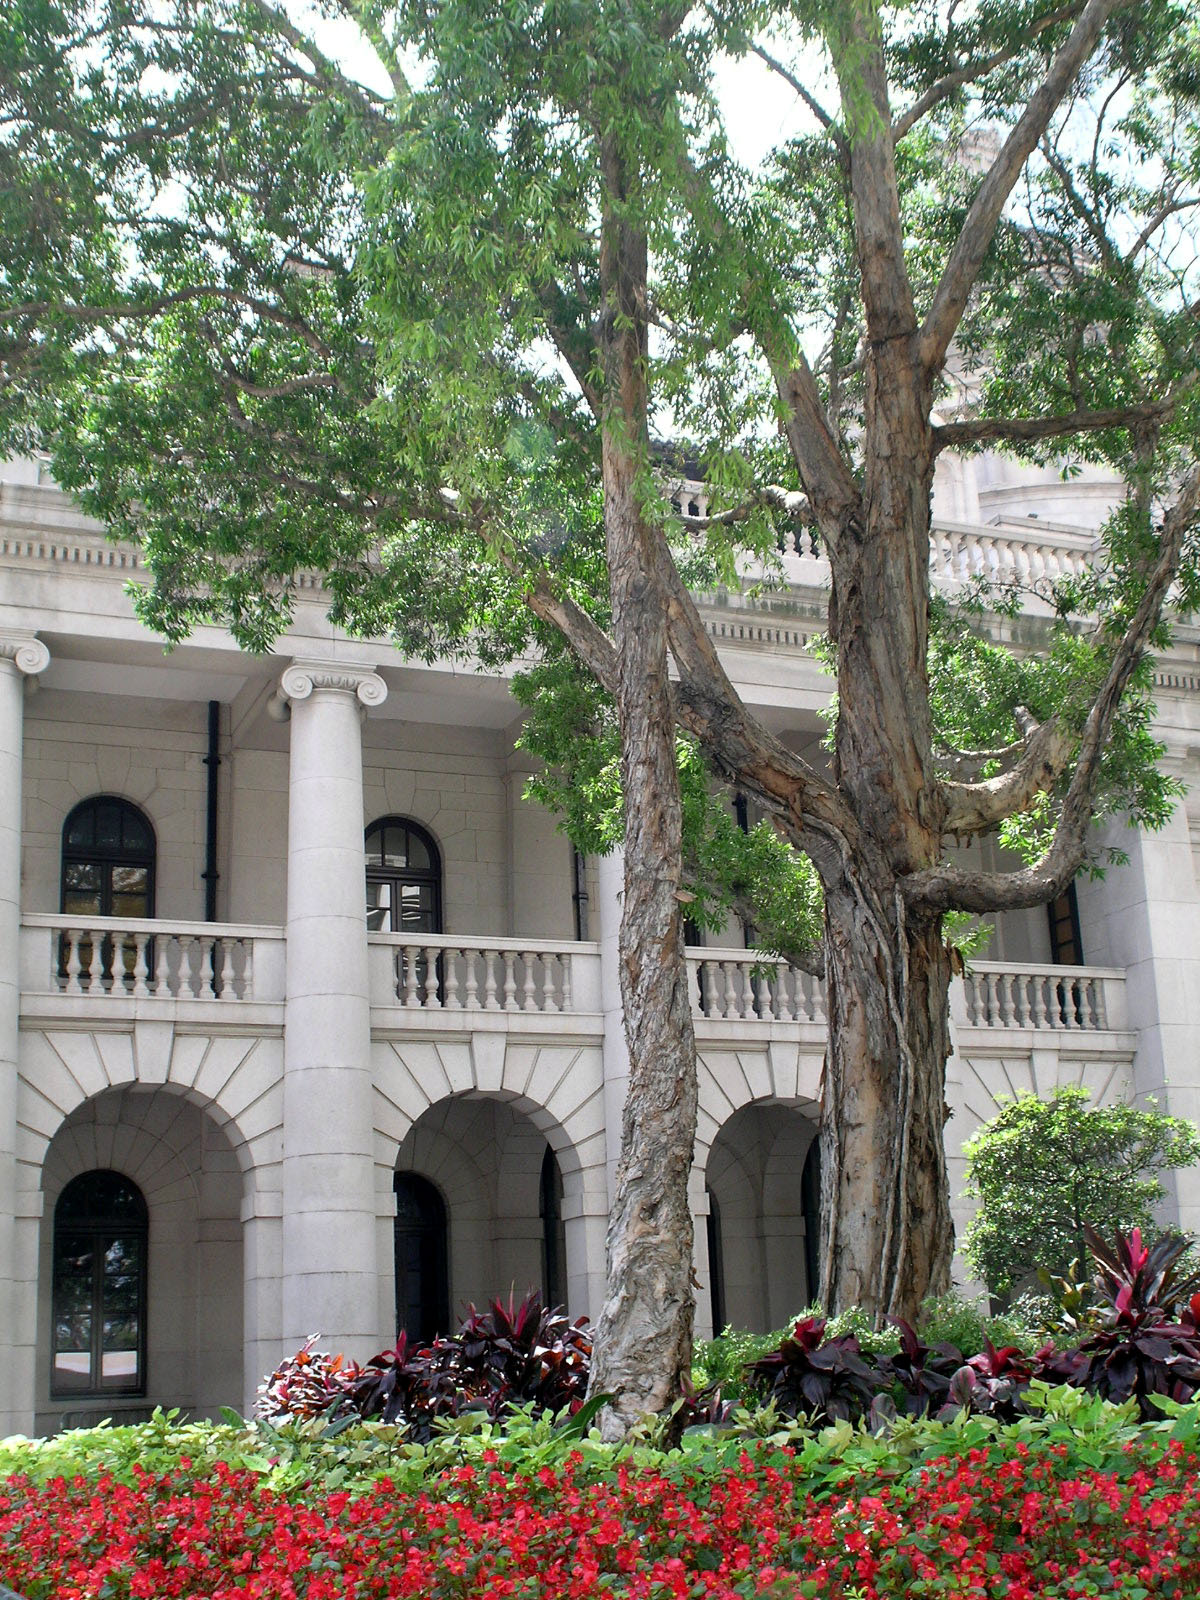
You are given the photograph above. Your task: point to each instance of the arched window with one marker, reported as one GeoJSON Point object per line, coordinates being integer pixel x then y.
{"type": "Point", "coordinates": [422, 1288]}
{"type": "Point", "coordinates": [108, 855]}
{"type": "Point", "coordinates": [99, 1294]}
{"type": "Point", "coordinates": [554, 1238]}
{"type": "Point", "coordinates": [404, 878]}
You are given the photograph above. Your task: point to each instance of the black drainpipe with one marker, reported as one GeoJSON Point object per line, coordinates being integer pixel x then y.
{"type": "Point", "coordinates": [212, 761]}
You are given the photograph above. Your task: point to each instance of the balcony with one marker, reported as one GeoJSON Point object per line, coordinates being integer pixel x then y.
{"type": "Point", "coordinates": [109, 966]}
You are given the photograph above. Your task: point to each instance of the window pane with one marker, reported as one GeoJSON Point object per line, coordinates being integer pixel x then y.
{"type": "Point", "coordinates": [74, 1283]}
{"type": "Point", "coordinates": [81, 889]}
{"type": "Point", "coordinates": [416, 908]}
{"type": "Point", "coordinates": [136, 838]}
{"type": "Point", "coordinates": [395, 846]}
{"type": "Point", "coordinates": [108, 827]}
{"type": "Point", "coordinates": [418, 854]}
{"type": "Point", "coordinates": [131, 891]}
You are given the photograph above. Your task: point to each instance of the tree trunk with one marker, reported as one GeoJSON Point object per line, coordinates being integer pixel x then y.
{"type": "Point", "coordinates": [644, 1334]}
{"type": "Point", "coordinates": [885, 1215]}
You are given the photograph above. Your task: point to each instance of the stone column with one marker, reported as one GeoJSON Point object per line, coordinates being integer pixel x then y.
{"type": "Point", "coordinates": [328, 1223]}
{"type": "Point", "coordinates": [21, 656]}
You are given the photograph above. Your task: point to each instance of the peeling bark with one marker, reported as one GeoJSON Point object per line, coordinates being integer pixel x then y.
{"type": "Point", "coordinates": [644, 1334]}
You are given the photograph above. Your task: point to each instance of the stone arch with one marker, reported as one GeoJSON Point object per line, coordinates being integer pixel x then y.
{"type": "Point", "coordinates": [754, 1167]}
{"type": "Point", "coordinates": [235, 1079]}
{"type": "Point", "coordinates": [552, 1094]}
{"type": "Point", "coordinates": [186, 1167]}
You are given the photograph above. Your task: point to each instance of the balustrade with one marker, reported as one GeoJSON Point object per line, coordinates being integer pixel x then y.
{"type": "Point", "coordinates": [744, 986]}
{"type": "Point", "coordinates": [111, 957]}
{"type": "Point", "coordinates": [502, 975]}
{"type": "Point", "coordinates": [1021, 996]}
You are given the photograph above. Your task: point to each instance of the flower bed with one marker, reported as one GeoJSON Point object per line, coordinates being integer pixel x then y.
{"type": "Point", "coordinates": [1078, 1503]}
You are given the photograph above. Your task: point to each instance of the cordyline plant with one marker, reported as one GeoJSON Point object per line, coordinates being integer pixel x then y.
{"type": "Point", "coordinates": [407, 315]}
{"type": "Point", "coordinates": [509, 1355]}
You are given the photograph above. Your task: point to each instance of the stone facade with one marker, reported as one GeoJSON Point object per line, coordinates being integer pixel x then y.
{"type": "Point", "coordinates": [279, 1082]}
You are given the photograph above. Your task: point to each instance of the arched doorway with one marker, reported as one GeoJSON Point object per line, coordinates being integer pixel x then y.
{"type": "Point", "coordinates": [761, 1227]}
{"type": "Point", "coordinates": [154, 1174]}
{"type": "Point", "coordinates": [501, 1189]}
{"type": "Point", "coordinates": [421, 1251]}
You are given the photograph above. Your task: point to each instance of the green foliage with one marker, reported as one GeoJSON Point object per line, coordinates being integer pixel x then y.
{"type": "Point", "coordinates": [1043, 1170]}
{"type": "Point", "coordinates": [304, 1460]}
{"type": "Point", "coordinates": [571, 726]}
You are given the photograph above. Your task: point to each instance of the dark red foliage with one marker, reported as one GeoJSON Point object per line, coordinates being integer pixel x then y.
{"type": "Point", "coordinates": [503, 1357]}
{"type": "Point", "coordinates": [826, 1380]}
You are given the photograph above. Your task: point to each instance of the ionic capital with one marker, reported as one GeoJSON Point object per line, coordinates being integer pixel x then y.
{"type": "Point", "coordinates": [303, 678]}
{"type": "Point", "coordinates": [26, 652]}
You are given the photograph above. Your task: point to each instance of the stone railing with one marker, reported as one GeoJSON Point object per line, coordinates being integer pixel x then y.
{"type": "Point", "coordinates": [744, 986]}
{"type": "Point", "coordinates": [444, 973]}
{"type": "Point", "coordinates": [106, 958]}
{"type": "Point", "coordinates": [959, 552]}
{"type": "Point", "coordinates": [1020, 995]}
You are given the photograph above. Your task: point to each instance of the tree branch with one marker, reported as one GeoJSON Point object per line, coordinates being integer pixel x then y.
{"type": "Point", "coordinates": [973, 71]}
{"type": "Point", "coordinates": [958, 278]}
{"type": "Point", "coordinates": [817, 110]}
{"type": "Point", "coordinates": [946, 887]}
{"type": "Point", "coordinates": [977, 807]}
{"type": "Point", "coordinates": [953, 435]}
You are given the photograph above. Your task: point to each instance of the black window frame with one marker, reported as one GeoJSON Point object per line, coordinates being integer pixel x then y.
{"type": "Point", "coordinates": [107, 856]}
{"type": "Point", "coordinates": [428, 876]}
{"type": "Point", "coordinates": [102, 1227]}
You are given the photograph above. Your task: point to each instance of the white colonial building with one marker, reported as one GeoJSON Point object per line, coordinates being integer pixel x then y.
{"type": "Point", "coordinates": [235, 1109]}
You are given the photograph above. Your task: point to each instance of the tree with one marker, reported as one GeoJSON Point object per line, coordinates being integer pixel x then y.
{"type": "Point", "coordinates": [1043, 1170]}
{"type": "Point", "coordinates": [413, 327]}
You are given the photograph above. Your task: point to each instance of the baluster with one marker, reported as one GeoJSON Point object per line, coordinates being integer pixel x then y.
{"type": "Point", "coordinates": [411, 997]}
{"type": "Point", "coordinates": [490, 1003]}
{"type": "Point", "coordinates": [248, 969]}
{"type": "Point", "coordinates": [140, 987]}
{"type": "Point", "coordinates": [708, 990]}
{"type": "Point", "coordinates": [568, 1000]}
{"type": "Point", "coordinates": [73, 939]}
{"type": "Point", "coordinates": [162, 971]}
{"type": "Point", "coordinates": [730, 990]}
{"type": "Point", "coordinates": [1021, 1007]}
{"type": "Point", "coordinates": [208, 978]}
{"type": "Point", "coordinates": [226, 989]}
{"type": "Point", "coordinates": [471, 994]}
{"type": "Point", "coordinates": [991, 1016]}
{"type": "Point", "coordinates": [1039, 1000]}
{"type": "Point", "coordinates": [1075, 1003]}
{"type": "Point", "coordinates": [450, 998]}
{"type": "Point", "coordinates": [1099, 1012]}
{"type": "Point", "coordinates": [510, 981]}
{"type": "Point", "coordinates": [1007, 1009]}
{"type": "Point", "coordinates": [95, 966]}
{"type": "Point", "coordinates": [818, 993]}
{"type": "Point", "coordinates": [785, 1005]}
{"type": "Point", "coordinates": [971, 995]}
{"type": "Point", "coordinates": [530, 1001]}
{"type": "Point", "coordinates": [549, 1003]}
{"type": "Point", "coordinates": [433, 998]}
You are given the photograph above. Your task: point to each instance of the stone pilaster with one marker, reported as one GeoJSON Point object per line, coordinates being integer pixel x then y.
{"type": "Point", "coordinates": [328, 1225]}
{"type": "Point", "coordinates": [21, 656]}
